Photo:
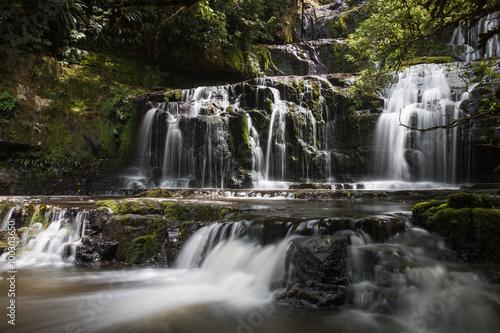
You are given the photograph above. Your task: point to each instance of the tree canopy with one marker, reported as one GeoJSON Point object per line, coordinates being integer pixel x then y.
{"type": "Point", "coordinates": [400, 30]}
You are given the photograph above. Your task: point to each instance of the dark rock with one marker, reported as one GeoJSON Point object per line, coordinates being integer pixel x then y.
{"type": "Point", "coordinates": [318, 275]}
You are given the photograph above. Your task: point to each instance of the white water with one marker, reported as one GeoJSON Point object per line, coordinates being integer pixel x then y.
{"type": "Point", "coordinates": [276, 140]}
{"type": "Point", "coordinates": [54, 243]}
{"type": "Point", "coordinates": [257, 153]}
{"type": "Point", "coordinates": [225, 281]}
{"type": "Point", "coordinates": [422, 99]}
{"type": "Point", "coordinates": [466, 38]}
{"type": "Point", "coordinates": [6, 218]}
{"type": "Point", "coordinates": [420, 286]}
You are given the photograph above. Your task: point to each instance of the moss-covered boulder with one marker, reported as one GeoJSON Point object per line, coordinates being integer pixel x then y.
{"type": "Point", "coordinates": [156, 193]}
{"type": "Point", "coordinates": [132, 206]}
{"type": "Point", "coordinates": [143, 231]}
{"type": "Point", "coordinates": [467, 222]}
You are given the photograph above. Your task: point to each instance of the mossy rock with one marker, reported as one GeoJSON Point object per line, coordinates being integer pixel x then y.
{"type": "Point", "coordinates": [132, 206]}
{"type": "Point", "coordinates": [185, 212]}
{"type": "Point", "coordinates": [419, 211]}
{"type": "Point", "coordinates": [143, 247]}
{"type": "Point", "coordinates": [486, 223]}
{"type": "Point", "coordinates": [157, 193]}
{"type": "Point", "coordinates": [468, 200]}
{"type": "Point", "coordinates": [467, 224]}
{"type": "Point", "coordinates": [456, 225]}
{"type": "Point", "coordinates": [140, 238]}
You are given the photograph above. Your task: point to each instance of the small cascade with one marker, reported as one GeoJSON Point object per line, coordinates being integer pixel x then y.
{"type": "Point", "coordinates": [6, 218]}
{"type": "Point", "coordinates": [216, 154]}
{"type": "Point", "coordinates": [276, 141]}
{"type": "Point", "coordinates": [413, 279]}
{"type": "Point", "coordinates": [227, 258]}
{"type": "Point", "coordinates": [258, 170]}
{"type": "Point", "coordinates": [465, 39]}
{"type": "Point", "coordinates": [422, 98]}
{"type": "Point", "coordinates": [52, 240]}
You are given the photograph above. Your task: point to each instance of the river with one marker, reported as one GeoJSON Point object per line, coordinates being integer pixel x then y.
{"type": "Point", "coordinates": [410, 282]}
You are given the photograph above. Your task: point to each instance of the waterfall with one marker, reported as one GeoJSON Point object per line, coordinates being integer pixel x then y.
{"type": "Point", "coordinates": [55, 243]}
{"type": "Point", "coordinates": [257, 153]}
{"type": "Point", "coordinates": [184, 143]}
{"type": "Point", "coordinates": [421, 98]}
{"type": "Point", "coordinates": [226, 258]}
{"type": "Point", "coordinates": [191, 142]}
{"type": "Point", "coordinates": [276, 141]}
{"type": "Point", "coordinates": [465, 39]}
{"type": "Point", "coordinates": [6, 218]}
{"type": "Point", "coordinates": [215, 151]}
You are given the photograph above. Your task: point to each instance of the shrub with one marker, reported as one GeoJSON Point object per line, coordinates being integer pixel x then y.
{"type": "Point", "coordinates": [8, 105]}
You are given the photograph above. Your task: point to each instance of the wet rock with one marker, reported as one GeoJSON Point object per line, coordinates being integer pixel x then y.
{"type": "Point", "coordinates": [318, 275]}
{"type": "Point", "coordinates": [414, 157]}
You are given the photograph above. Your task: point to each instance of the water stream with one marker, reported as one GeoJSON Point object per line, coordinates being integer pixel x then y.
{"type": "Point", "coordinates": [422, 98]}
{"type": "Point", "coordinates": [231, 275]}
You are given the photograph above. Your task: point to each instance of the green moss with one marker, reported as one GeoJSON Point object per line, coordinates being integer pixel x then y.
{"type": "Point", "coordinates": [132, 206]}
{"type": "Point", "coordinates": [468, 200]}
{"type": "Point", "coordinates": [185, 212]}
{"type": "Point", "coordinates": [157, 193]}
{"type": "Point", "coordinates": [487, 233]}
{"type": "Point", "coordinates": [471, 229]}
{"type": "Point", "coordinates": [111, 204]}
{"type": "Point", "coordinates": [173, 95]}
{"type": "Point", "coordinates": [143, 247]}
{"type": "Point", "coordinates": [140, 238]}
{"type": "Point", "coordinates": [456, 224]}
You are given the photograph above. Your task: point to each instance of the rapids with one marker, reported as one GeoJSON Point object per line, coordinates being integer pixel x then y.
{"type": "Point", "coordinates": [230, 277]}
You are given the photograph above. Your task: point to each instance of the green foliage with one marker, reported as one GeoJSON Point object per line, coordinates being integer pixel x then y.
{"type": "Point", "coordinates": [118, 108]}
{"type": "Point", "coordinates": [398, 31]}
{"type": "Point", "coordinates": [8, 105]}
{"type": "Point", "coordinates": [394, 33]}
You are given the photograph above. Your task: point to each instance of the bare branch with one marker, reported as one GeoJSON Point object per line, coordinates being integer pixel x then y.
{"type": "Point", "coordinates": [452, 124]}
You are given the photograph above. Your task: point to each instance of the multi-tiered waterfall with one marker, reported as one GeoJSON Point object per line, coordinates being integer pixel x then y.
{"type": "Point", "coordinates": [273, 131]}
{"type": "Point", "coordinates": [421, 99]}
{"type": "Point", "coordinates": [257, 133]}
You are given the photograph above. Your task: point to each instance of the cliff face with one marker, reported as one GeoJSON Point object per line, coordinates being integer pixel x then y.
{"type": "Point", "coordinates": [77, 127]}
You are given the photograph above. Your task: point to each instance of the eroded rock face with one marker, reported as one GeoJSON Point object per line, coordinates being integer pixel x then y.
{"type": "Point", "coordinates": [309, 58]}
{"type": "Point", "coordinates": [329, 21]}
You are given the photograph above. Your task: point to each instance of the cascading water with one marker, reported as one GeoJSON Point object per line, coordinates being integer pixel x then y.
{"type": "Point", "coordinates": [422, 98]}
{"type": "Point", "coordinates": [6, 218]}
{"type": "Point", "coordinates": [183, 142]}
{"type": "Point", "coordinates": [420, 285]}
{"type": "Point", "coordinates": [276, 141]}
{"type": "Point", "coordinates": [55, 243]}
{"type": "Point", "coordinates": [257, 153]}
{"type": "Point", "coordinates": [191, 142]}
{"type": "Point", "coordinates": [229, 274]}
{"type": "Point", "coordinates": [465, 39]}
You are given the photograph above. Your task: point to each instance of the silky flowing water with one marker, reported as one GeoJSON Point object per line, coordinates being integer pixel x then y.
{"type": "Point", "coordinates": [228, 281]}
